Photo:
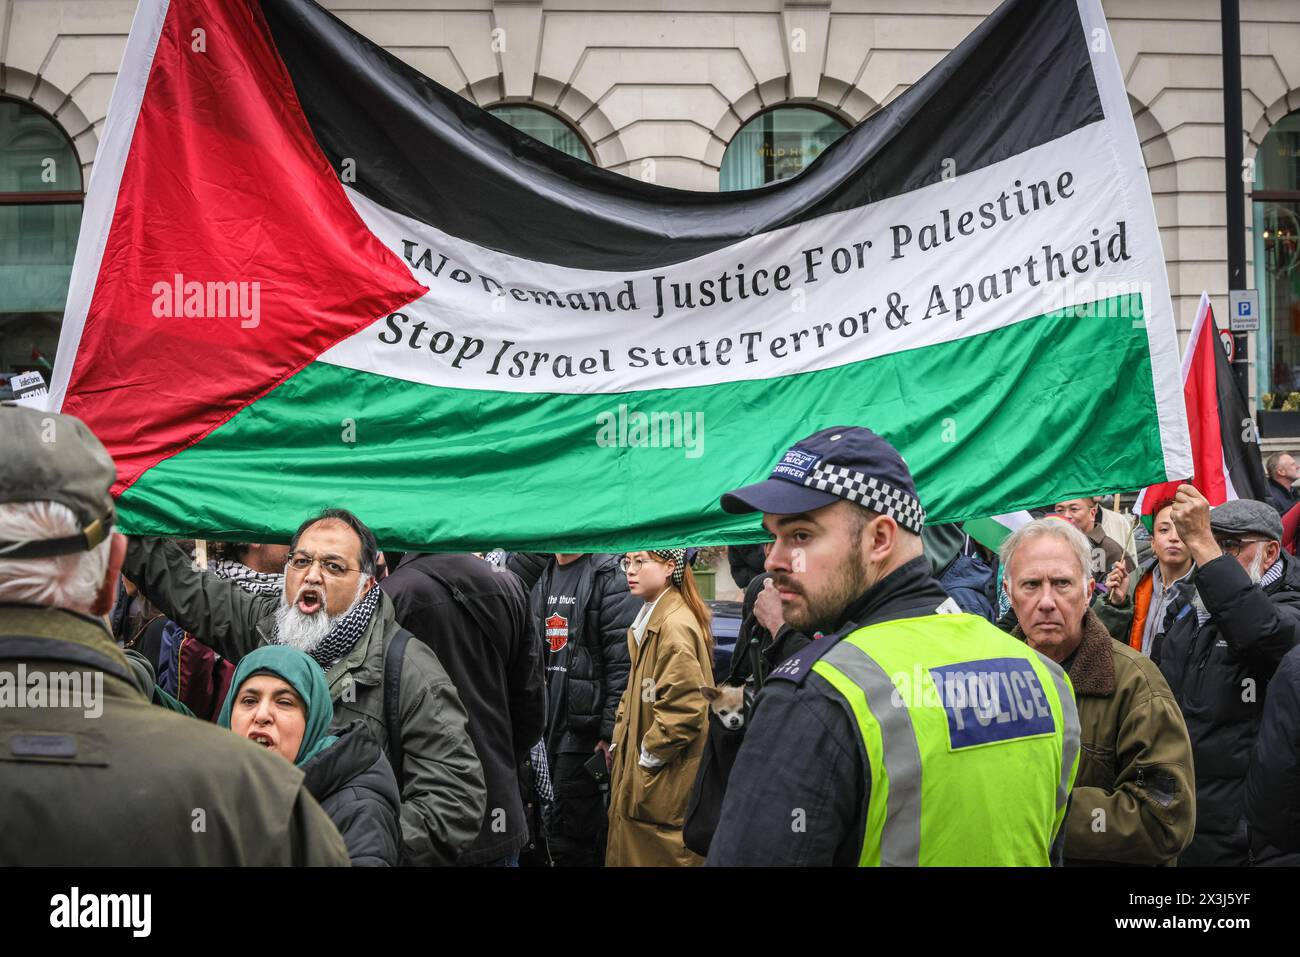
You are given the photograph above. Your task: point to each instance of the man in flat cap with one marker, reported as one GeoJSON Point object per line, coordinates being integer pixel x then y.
{"type": "Point", "coordinates": [899, 688]}
{"type": "Point", "coordinates": [1225, 639]}
{"type": "Point", "coordinates": [90, 772]}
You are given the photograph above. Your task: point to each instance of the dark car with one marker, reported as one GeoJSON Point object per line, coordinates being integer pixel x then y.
{"type": "Point", "coordinates": [726, 628]}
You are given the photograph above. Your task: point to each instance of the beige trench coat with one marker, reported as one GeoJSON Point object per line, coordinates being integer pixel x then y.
{"type": "Point", "coordinates": [664, 708]}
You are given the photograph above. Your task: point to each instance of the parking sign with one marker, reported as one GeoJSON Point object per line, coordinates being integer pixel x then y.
{"type": "Point", "coordinates": [1243, 310]}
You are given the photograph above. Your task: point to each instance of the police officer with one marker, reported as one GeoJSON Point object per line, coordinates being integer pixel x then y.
{"type": "Point", "coordinates": [93, 773]}
{"type": "Point", "coordinates": [908, 733]}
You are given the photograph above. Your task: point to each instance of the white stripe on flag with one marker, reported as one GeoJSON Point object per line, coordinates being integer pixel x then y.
{"type": "Point", "coordinates": [991, 532]}
{"type": "Point", "coordinates": [101, 192]}
{"type": "Point", "coordinates": [1202, 310]}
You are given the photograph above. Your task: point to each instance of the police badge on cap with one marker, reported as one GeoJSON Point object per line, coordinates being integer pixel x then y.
{"type": "Point", "coordinates": [843, 462]}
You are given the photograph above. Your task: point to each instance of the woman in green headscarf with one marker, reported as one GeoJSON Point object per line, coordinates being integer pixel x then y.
{"type": "Point", "coordinates": [279, 700]}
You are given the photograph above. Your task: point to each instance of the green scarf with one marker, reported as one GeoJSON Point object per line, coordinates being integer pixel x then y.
{"type": "Point", "coordinates": [305, 677]}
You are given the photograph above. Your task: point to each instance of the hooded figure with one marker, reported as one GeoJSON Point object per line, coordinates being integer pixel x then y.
{"type": "Point", "coordinates": [347, 773]}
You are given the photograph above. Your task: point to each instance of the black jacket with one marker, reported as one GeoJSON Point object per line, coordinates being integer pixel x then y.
{"type": "Point", "coordinates": [1279, 496]}
{"type": "Point", "coordinates": [528, 566]}
{"type": "Point", "coordinates": [755, 648]}
{"type": "Point", "coordinates": [802, 749]}
{"type": "Point", "coordinates": [599, 659]}
{"type": "Point", "coordinates": [474, 616]}
{"type": "Point", "coordinates": [354, 784]}
{"type": "Point", "coordinates": [1219, 673]}
{"type": "Point", "coordinates": [1273, 783]}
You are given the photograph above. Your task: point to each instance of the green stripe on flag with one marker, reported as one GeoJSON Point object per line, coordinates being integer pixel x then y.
{"type": "Point", "coordinates": [1046, 409]}
{"type": "Point", "coordinates": [991, 532]}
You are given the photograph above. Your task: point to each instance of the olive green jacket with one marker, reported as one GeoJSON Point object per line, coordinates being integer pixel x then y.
{"type": "Point", "coordinates": [1134, 798]}
{"type": "Point", "coordinates": [443, 795]}
{"type": "Point", "coordinates": [114, 780]}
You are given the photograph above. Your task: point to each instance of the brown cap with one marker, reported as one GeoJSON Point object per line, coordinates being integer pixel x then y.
{"type": "Point", "coordinates": [48, 457]}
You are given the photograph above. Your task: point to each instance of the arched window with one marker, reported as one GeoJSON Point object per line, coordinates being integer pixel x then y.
{"type": "Point", "coordinates": [1276, 229]}
{"type": "Point", "coordinates": [547, 127]}
{"type": "Point", "coordinates": [40, 215]}
{"type": "Point", "coordinates": [777, 145]}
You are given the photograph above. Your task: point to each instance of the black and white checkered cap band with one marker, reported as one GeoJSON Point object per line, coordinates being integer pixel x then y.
{"type": "Point", "coordinates": [870, 493]}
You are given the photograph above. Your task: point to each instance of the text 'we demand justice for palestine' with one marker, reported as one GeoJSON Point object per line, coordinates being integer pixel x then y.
{"type": "Point", "coordinates": [811, 265]}
{"type": "Point", "coordinates": [882, 311]}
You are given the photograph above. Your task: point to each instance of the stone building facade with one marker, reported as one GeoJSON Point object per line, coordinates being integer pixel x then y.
{"type": "Point", "coordinates": [661, 89]}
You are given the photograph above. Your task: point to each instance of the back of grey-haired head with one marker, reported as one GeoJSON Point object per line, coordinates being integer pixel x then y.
{"type": "Point", "coordinates": [69, 581]}
{"type": "Point", "coordinates": [1050, 527]}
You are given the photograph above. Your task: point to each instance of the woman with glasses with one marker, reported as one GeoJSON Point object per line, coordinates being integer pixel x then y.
{"type": "Point", "coordinates": [663, 717]}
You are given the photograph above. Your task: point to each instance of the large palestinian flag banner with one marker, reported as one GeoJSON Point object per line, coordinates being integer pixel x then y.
{"type": "Point", "coordinates": [309, 276]}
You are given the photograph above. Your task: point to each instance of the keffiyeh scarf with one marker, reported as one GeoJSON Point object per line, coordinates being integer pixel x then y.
{"type": "Point", "coordinates": [257, 583]}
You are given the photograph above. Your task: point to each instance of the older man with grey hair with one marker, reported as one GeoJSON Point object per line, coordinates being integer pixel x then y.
{"type": "Point", "coordinates": [1282, 472]}
{"type": "Point", "coordinates": [94, 774]}
{"type": "Point", "coordinates": [1227, 636]}
{"type": "Point", "coordinates": [1133, 800]}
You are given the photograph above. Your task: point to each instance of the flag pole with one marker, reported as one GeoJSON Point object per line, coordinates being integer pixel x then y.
{"type": "Point", "coordinates": [1230, 22]}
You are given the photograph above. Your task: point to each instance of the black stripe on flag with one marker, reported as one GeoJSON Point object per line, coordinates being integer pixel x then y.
{"type": "Point", "coordinates": [1021, 79]}
{"type": "Point", "coordinates": [1237, 431]}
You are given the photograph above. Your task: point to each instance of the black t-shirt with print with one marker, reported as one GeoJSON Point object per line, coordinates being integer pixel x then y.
{"type": "Point", "coordinates": [560, 608]}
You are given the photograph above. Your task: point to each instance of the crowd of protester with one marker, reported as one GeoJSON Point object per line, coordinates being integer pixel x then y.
{"type": "Point", "coordinates": [513, 709]}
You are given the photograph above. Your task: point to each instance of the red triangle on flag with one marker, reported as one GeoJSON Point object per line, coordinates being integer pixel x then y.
{"type": "Point", "coordinates": [225, 197]}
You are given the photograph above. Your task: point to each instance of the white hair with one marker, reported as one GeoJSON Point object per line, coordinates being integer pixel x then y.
{"type": "Point", "coordinates": [62, 581]}
{"type": "Point", "coordinates": [1054, 528]}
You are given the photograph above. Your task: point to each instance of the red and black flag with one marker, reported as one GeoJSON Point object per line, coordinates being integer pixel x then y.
{"type": "Point", "coordinates": [1225, 442]}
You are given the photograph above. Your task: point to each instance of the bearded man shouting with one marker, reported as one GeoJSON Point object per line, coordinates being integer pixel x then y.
{"type": "Point", "coordinates": [331, 609]}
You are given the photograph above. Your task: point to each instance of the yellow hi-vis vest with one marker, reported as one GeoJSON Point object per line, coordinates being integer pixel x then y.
{"type": "Point", "coordinates": [971, 735]}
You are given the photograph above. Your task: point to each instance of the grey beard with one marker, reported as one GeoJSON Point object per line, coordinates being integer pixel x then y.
{"type": "Point", "coordinates": [1256, 570]}
{"type": "Point", "coordinates": [306, 632]}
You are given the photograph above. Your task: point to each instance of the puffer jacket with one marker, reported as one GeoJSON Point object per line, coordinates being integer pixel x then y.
{"type": "Point", "coordinates": [443, 796]}
{"type": "Point", "coordinates": [599, 661]}
{"type": "Point", "coordinates": [1219, 673]}
{"type": "Point", "coordinates": [353, 782]}
{"type": "Point", "coordinates": [969, 581]}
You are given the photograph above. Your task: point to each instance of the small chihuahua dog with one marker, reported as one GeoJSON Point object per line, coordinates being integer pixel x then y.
{"type": "Point", "coordinates": [728, 703]}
